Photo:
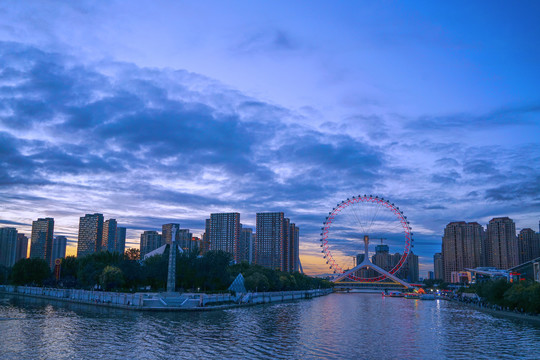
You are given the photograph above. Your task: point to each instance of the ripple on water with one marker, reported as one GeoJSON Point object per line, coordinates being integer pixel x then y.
{"type": "Point", "coordinates": [335, 326]}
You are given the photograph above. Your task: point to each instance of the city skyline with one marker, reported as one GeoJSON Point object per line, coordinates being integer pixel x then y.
{"type": "Point", "coordinates": [482, 260]}
{"type": "Point", "coordinates": [212, 107]}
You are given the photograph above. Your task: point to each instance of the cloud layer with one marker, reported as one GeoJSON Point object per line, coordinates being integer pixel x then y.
{"type": "Point", "coordinates": [82, 132]}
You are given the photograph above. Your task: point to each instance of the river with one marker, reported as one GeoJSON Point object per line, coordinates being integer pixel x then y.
{"type": "Point", "coordinates": [337, 326]}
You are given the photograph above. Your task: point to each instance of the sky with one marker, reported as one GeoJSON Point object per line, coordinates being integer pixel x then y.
{"type": "Point", "coordinates": [153, 112]}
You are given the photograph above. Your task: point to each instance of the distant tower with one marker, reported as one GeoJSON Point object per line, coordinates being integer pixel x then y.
{"type": "Point", "coordinates": [90, 234]}
{"type": "Point", "coordinates": [8, 246]}
{"type": "Point", "coordinates": [150, 240]}
{"type": "Point", "coordinates": [183, 239]}
{"type": "Point", "coordinates": [59, 247]}
{"type": "Point", "coordinates": [501, 237]}
{"type": "Point", "coordinates": [22, 247]}
{"type": "Point", "coordinates": [528, 245]}
{"type": "Point", "coordinates": [42, 239]}
{"type": "Point", "coordinates": [413, 271]}
{"type": "Point", "coordinates": [205, 245]}
{"type": "Point", "coordinates": [171, 274]}
{"type": "Point", "coordinates": [166, 232]}
{"type": "Point", "coordinates": [271, 240]}
{"type": "Point", "coordinates": [225, 232]}
{"type": "Point", "coordinates": [245, 245]}
{"type": "Point", "coordinates": [108, 240]}
{"type": "Point", "coordinates": [438, 266]}
{"type": "Point", "coordinates": [120, 241]}
{"type": "Point", "coordinates": [286, 246]}
{"type": "Point", "coordinates": [463, 247]}
{"type": "Point", "coordinates": [294, 241]}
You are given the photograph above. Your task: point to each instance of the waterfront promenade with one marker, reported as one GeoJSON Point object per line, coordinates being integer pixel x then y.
{"type": "Point", "coordinates": [161, 301]}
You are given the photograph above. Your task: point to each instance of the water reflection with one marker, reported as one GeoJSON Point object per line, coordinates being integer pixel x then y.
{"type": "Point", "coordinates": [336, 326]}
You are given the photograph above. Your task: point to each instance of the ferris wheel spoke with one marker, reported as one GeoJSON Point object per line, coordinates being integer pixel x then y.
{"type": "Point", "coordinates": [351, 220]}
{"type": "Point", "coordinates": [357, 218]}
{"type": "Point", "coordinates": [377, 208]}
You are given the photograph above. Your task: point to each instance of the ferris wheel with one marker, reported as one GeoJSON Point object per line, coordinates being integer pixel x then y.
{"type": "Point", "coordinates": [353, 224]}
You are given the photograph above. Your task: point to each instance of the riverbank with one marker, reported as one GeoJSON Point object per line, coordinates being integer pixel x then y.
{"type": "Point", "coordinates": [535, 319]}
{"type": "Point", "coordinates": [160, 301]}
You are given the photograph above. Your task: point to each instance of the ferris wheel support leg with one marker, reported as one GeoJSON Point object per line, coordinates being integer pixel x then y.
{"type": "Point", "coordinates": [370, 265]}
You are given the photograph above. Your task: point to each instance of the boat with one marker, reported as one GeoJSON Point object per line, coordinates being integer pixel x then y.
{"type": "Point", "coordinates": [427, 297]}
{"type": "Point", "coordinates": [392, 294]}
{"type": "Point", "coordinates": [412, 296]}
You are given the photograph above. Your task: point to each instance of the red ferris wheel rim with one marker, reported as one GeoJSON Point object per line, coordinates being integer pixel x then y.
{"type": "Point", "coordinates": [365, 198]}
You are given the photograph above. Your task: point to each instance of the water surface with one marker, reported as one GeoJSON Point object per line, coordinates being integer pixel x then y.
{"type": "Point", "coordinates": [337, 326]}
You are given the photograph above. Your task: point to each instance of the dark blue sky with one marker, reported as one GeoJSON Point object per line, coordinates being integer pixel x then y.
{"type": "Point", "coordinates": [159, 111]}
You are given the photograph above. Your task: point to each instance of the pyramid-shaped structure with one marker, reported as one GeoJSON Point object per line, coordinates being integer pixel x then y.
{"type": "Point", "coordinates": [238, 285]}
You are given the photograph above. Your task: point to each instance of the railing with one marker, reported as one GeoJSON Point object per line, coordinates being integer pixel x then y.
{"type": "Point", "coordinates": [151, 300]}
{"type": "Point", "coordinates": [77, 295]}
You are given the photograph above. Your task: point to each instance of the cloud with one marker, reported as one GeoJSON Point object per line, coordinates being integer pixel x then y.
{"type": "Point", "coordinates": [502, 117]}
{"type": "Point", "coordinates": [480, 167]}
{"type": "Point", "coordinates": [435, 207]}
{"type": "Point", "coordinates": [151, 146]}
{"type": "Point", "coordinates": [268, 41]}
{"type": "Point", "coordinates": [447, 162]}
{"type": "Point", "coordinates": [8, 222]}
{"type": "Point", "coordinates": [116, 129]}
{"type": "Point", "coordinates": [528, 188]}
{"type": "Point", "coordinates": [447, 178]}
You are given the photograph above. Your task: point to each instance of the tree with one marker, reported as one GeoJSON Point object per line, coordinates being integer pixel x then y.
{"type": "Point", "coordinates": [155, 271]}
{"type": "Point", "coordinates": [4, 274]}
{"type": "Point", "coordinates": [133, 274]}
{"type": "Point", "coordinates": [257, 282]}
{"type": "Point", "coordinates": [132, 254]}
{"type": "Point", "coordinates": [91, 266]}
{"type": "Point", "coordinates": [30, 271]}
{"type": "Point", "coordinates": [111, 278]}
{"type": "Point", "coordinates": [68, 271]}
{"type": "Point", "coordinates": [186, 270]}
{"type": "Point", "coordinates": [493, 291]}
{"type": "Point", "coordinates": [212, 271]}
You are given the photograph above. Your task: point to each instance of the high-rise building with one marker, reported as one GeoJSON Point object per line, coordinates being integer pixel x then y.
{"type": "Point", "coordinates": [528, 245]}
{"type": "Point", "coordinates": [108, 239]}
{"type": "Point", "coordinates": [22, 247]}
{"type": "Point", "coordinates": [431, 275]}
{"type": "Point", "coordinates": [409, 271]}
{"type": "Point", "coordinates": [150, 240]}
{"type": "Point", "coordinates": [463, 247]}
{"type": "Point", "coordinates": [438, 266]}
{"type": "Point", "coordinates": [8, 246]}
{"type": "Point", "coordinates": [412, 270]}
{"type": "Point", "coordinates": [271, 239]}
{"type": "Point", "coordinates": [294, 241]}
{"type": "Point", "coordinates": [225, 232]}
{"type": "Point", "coordinates": [245, 245]}
{"type": "Point", "coordinates": [382, 258]}
{"type": "Point", "coordinates": [363, 273]}
{"type": "Point", "coordinates": [120, 241]}
{"type": "Point", "coordinates": [166, 232]}
{"type": "Point", "coordinates": [42, 239]}
{"type": "Point", "coordinates": [205, 241]}
{"type": "Point", "coordinates": [502, 243]}
{"type": "Point", "coordinates": [59, 247]}
{"type": "Point", "coordinates": [286, 247]}
{"type": "Point", "coordinates": [184, 240]}
{"type": "Point", "coordinates": [196, 243]}
{"type": "Point", "coordinates": [90, 234]}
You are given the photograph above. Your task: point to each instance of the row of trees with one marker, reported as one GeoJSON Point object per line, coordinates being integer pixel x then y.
{"type": "Point", "coordinates": [524, 295]}
{"type": "Point", "coordinates": [212, 272]}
